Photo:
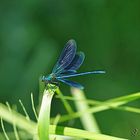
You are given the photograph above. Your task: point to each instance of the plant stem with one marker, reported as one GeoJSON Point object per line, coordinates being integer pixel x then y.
{"type": "Point", "coordinates": [67, 131]}
{"type": "Point", "coordinates": [88, 120]}
{"type": "Point", "coordinates": [31, 127]}
{"type": "Point", "coordinates": [65, 102]}
{"type": "Point", "coordinates": [44, 115]}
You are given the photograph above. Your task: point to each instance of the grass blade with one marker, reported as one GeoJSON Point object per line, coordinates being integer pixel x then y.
{"type": "Point", "coordinates": [44, 115]}
{"type": "Point", "coordinates": [87, 119]}
{"type": "Point", "coordinates": [33, 106]}
{"type": "Point", "coordinates": [26, 114]}
{"type": "Point", "coordinates": [129, 109]}
{"type": "Point", "coordinates": [113, 103]}
{"type": "Point", "coordinates": [67, 131]}
{"type": "Point", "coordinates": [3, 129]}
{"type": "Point", "coordinates": [65, 102]}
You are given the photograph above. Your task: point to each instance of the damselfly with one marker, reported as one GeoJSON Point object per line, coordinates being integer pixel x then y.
{"type": "Point", "coordinates": [67, 65]}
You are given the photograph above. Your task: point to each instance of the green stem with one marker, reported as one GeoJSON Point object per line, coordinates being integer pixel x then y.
{"type": "Point", "coordinates": [88, 120]}
{"type": "Point", "coordinates": [65, 102]}
{"type": "Point", "coordinates": [31, 127]}
{"type": "Point", "coordinates": [44, 115]}
{"type": "Point", "coordinates": [67, 131]}
{"type": "Point", "coordinates": [101, 106]}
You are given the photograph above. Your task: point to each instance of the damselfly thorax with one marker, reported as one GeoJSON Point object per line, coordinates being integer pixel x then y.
{"type": "Point", "coordinates": [50, 79]}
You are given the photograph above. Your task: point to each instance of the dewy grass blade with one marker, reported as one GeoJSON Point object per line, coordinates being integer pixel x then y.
{"type": "Point", "coordinates": [44, 115]}
{"type": "Point", "coordinates": [87, 119]}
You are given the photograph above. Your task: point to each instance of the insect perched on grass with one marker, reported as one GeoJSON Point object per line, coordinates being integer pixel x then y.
{"type": "Point", "coordinates": [67, 65]}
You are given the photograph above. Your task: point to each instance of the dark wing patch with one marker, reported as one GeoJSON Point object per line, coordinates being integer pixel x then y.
{"type": "Point", "coordinates": [66, 57]}
{"type": "Point", "coordinates": [76, 62]}
{"type": "Point", "coordinates": [71, 83]}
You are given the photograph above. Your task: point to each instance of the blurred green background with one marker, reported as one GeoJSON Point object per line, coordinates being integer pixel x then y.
{"type": "Point", "coordinates": [33, 33]}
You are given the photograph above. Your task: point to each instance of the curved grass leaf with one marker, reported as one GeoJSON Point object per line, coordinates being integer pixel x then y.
{"type": "Point", "coordinates": [44, 115]}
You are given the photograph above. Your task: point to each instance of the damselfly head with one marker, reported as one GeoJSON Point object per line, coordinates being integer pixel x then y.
{"type": "Point", "coordinates": [43, 78]}
{"type": "Point", "coordinates": [47, 79]}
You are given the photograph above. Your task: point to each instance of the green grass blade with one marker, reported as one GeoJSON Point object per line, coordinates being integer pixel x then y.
{"type": "Point", "coordinates": [56, 120]}
{"type": "Point", "coordinates": [88, 120]}
{"type": "Point", "coordinates": [67, 131]}
{"type": "Point", "coordinates": [44, 115]}
{"type": "Point", "coordinates": [129, 109]}
{"type": "Point", "coordinates": [26, 114]}
{"type": "Point", "coordinates": [113, 103]}
{"type": "Point", "coordinates": [126, 98]}
{"type": "Point", "coordinates": [65, 102]}
{"type": "Point", "coordinates": [88, 101]}
{"type": "Point", "coordinates": [33, 106]}
{"type": "Point", "coordinates": [3, 129]}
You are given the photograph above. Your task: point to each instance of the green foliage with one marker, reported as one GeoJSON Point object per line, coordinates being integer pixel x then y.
{"type": "Point", "coordinates": [42, 129]}
{"type": "Point", "coordinates": [32, 33]}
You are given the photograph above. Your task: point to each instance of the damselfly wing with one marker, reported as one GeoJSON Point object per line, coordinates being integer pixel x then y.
{"type": "Point", "coordinates": [67, 65]}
